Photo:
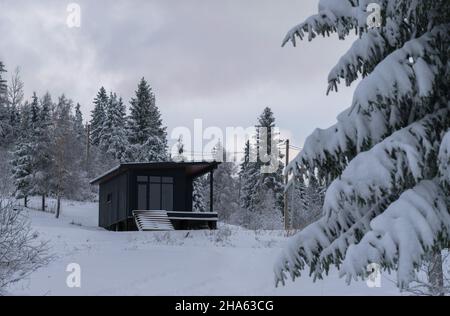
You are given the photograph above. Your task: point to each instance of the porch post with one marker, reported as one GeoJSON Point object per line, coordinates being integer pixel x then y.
{"type": "Point", "coordinates": [211, 191]}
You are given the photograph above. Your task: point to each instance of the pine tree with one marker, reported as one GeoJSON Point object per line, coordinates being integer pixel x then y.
{"type": "Point", "coordinates": [98, 116]}
{"type": "Point", "coordinates": [198, 195]}
{"type": "Point", "coordinates": [226, 191]}
{"type": "Point", "coordinates": [266, 140]}
{"type": "Point", "coordinates": [305, 201]}
{"type": "Point", "coordinates": [42, 150]}
{"type": "Point", "coordinates": [22, 164]}
{"type": "Point", "coordinates": [79, 126]}
{"type": "Point", "coordinates": [255, 182]}
{"type": "Point", "coordinates": [147, 136]}
{"type": "Point", "coordinates": [249, 175]}
{"type": "Point", "coordinates": [5, 127]}
{"type": "Point", "coordinates": [387, 200]}
{"type": "Point", "coordinates": [66, 171]}
{"type": "Point", "coordinates": [114, 140]}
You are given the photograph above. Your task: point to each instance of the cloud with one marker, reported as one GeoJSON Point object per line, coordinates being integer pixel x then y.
{"type": "Point", "coordinates": [219, 60]}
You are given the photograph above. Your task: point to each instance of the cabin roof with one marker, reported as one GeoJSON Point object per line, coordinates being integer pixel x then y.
{"type": "Point", "coordinates": [192, 169]}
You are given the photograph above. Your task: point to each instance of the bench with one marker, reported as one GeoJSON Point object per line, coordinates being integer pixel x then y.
{"type": "Point", "coordinates": [163, 221]}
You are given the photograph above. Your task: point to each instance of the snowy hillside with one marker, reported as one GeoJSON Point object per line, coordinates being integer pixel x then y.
{"type": "Point", "coordinates": [229, 261]}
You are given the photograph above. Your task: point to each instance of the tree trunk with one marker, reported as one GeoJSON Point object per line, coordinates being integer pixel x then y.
{"type": "Point", "coordinates": [436, 274]}
{"type": "Point", "coordinates": [43, 203]}
{"type": "Point", "coordinates": [58, 206]}
{"type": "Point", "coordinates": [25, 201]}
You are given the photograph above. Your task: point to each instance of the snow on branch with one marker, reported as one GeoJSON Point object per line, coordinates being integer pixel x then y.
{"type": "Point", "coordinates": [407, 73]}
{"type": "Point", "coordinates": [397, 92]}
{"type": "Point", "coordinates": [402, 235]}
{"type": "Point", "coordinates": [444, 161]}
{"type": "Point", "coordinates": [366, 187]}
{"type": "Point", "coordinates": [333, 17]}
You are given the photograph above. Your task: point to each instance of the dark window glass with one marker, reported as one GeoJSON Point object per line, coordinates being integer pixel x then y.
{"type": "Point", "coordinates": [155, 179]}
{"type": "Point", "coordinates": [142, 197]}
{"type": "Point", "coordinates": [167, 180]}
{"type": "Point", "coordinates": [167, 197]}
{"type": "Point", "coordinates": [155, 196]}
{"type": "Point", "coordinates": [142, 179]}
{"type": "Point", "coordinates": [109, 198]}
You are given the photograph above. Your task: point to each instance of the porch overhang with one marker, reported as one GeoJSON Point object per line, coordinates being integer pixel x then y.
{"type": "Point", "coordinates": [191, 169]}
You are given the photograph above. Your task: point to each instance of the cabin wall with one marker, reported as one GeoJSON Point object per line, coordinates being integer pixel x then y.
{"type": "Point", "coordinates": [113, 201]}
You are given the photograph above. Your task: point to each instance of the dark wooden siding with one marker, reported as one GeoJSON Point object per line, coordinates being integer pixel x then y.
{"type": "Point", "coordinates": [115, 210]}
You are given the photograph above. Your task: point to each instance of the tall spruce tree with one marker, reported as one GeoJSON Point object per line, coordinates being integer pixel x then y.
{"type": "Point", "coordinates": [387, 201]}
{"type": "Point", "coordinates": [21, 162]}
{"type": "Point", "coordinates": [198, 195]}
{"type": "Point", "coordinates": [114, 139]}
{"type": "Point", "coordinates": [267, 143]}
{"type": "Point", "coordinates": [5, 127]}
{"type": "Point", "coordinates": [147, 135]}
{"type": "Point", "coordinates": [249, 174]}
{"type": "Point", "coordinates": [255, 182]}
{"type": "Point", "coordinates": [226, 191]}
{"type": "Point", "coordinates": [98, 116]}
{"type": "Point", "coordinates": [66, 177]}
{"type": "Point", "coordinates": [79, 125]}
{"type": "Point", "coordinates": [42, 150]}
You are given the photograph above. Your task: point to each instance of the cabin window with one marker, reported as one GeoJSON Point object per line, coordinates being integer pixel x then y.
{"type": "Point", "coordinates": [155, 196]}
{"type": "Point", "coordinates": [155, 193]}
{"type": "Point", "coordinates": [109, 198]}
{"type": "Point", "coordinates": [142, 197]}
{"type": "Point", "coordinates": [167, 196]}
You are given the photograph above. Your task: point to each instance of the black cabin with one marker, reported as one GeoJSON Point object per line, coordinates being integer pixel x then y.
{"type": "Point", "coordinates": [133, 194]}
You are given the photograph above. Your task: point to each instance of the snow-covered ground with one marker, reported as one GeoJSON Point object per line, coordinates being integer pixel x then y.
{"type": "Point", "coordinates": [229, 261]}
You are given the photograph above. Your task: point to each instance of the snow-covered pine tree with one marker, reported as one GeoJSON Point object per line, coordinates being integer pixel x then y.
{"type": "Point", "coordinates": [226, 190]}
{"type": "Point", "coordinates": [147, 135]}
{"type": "Point", "coordinates": [78, 124]}
{"type": "Point", "coordinates": [305, 200]}
{"type": "Point", "coordinates": [249, 174]}
{"type": "Point", "coordinates": [21, 162]}
{"type": "Point", "coordinates": [42, 150]}
{"type": "Point", "coordinates": [98, 116]}
{"type": "Point", "coordinates": [198, 195]}
{"type": "Point", "coordinates": [5, 127]}
{"type": "Point", "coordinates": [266, 137]}
{"type": "Point", "coordinates": [254, 182]}
{"type": "Point", "coordinates": [388, 199]}
{"type": "Point", "coordinates": [114, 139]}
{"type": "Point", "coordinates": [66, 178]}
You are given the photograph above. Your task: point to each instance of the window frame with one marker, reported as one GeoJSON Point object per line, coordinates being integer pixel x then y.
{"type": "Point", "coordinates": [161, 181]}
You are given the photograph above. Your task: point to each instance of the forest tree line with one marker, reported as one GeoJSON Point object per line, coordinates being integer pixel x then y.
{"type": "Point", "coordinates": [49, 149]}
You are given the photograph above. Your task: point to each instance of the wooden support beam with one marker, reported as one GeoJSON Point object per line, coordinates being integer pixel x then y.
{"type": "Point", "coordinates": [286, 200]}
{"type": "Point", "coordinates": [211, 191]}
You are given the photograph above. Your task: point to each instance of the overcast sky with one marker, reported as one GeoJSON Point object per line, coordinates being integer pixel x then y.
{"type": "Point", "coordinates": [218, 60]}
